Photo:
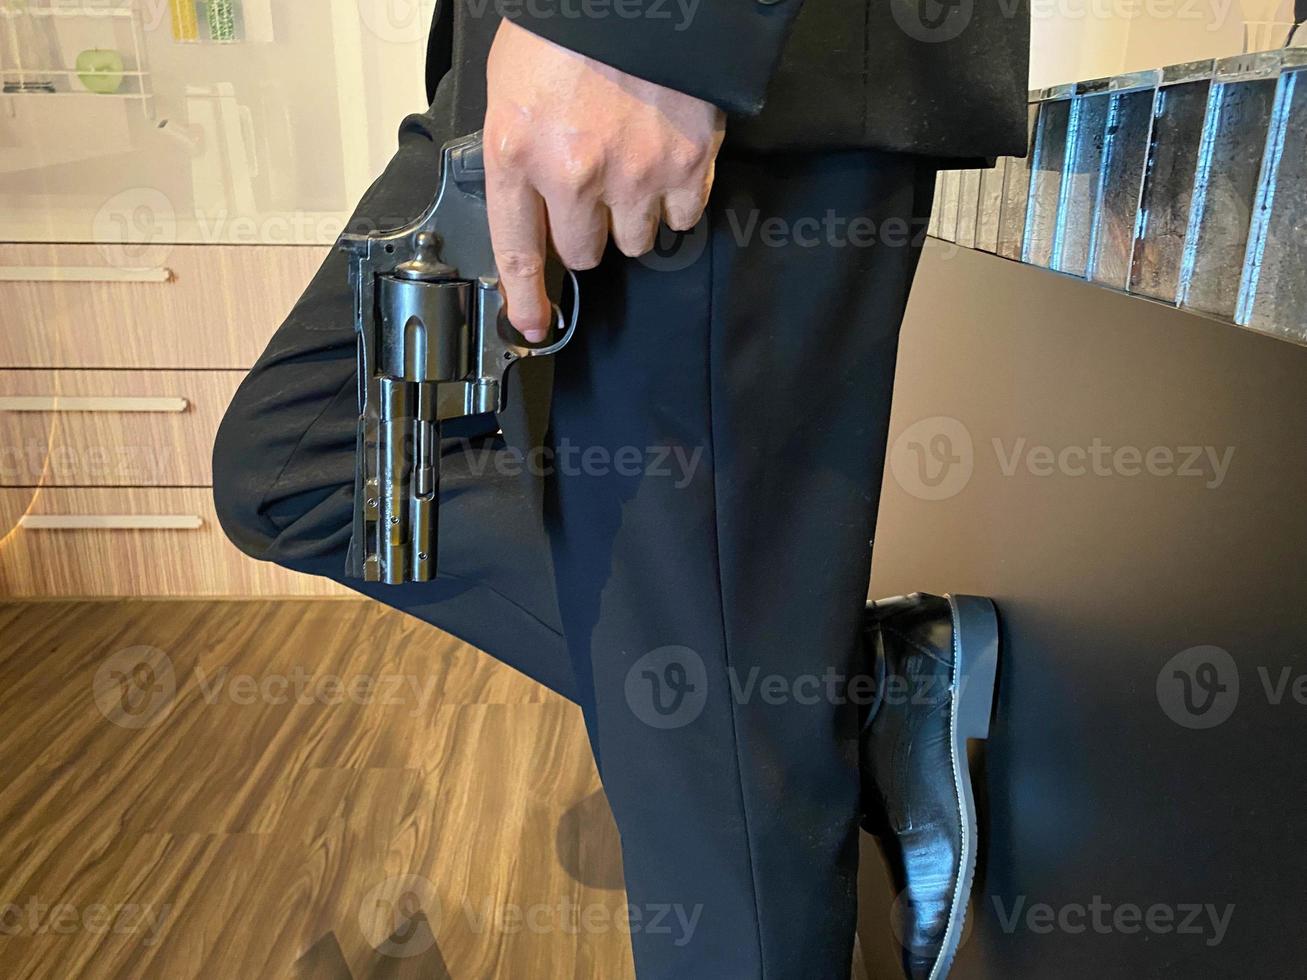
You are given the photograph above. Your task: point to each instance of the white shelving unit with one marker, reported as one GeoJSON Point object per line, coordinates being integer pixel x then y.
{"type": "Point", "coordinates": [126, 13]}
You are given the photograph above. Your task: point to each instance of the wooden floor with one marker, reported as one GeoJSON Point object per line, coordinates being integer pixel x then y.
{"type": "Point", "coordinates": [210, 789]}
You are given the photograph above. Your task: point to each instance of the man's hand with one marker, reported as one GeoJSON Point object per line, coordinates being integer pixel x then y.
{"type": "Point", "coordinates": [574, 148]}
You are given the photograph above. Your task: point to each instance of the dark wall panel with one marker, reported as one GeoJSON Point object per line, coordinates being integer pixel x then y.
{"type": "Point", "coordinates": [1130, 484]}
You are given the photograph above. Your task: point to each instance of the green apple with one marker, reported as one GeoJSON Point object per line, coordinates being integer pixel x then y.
{"type": "Point", "coordinates": [101, 70]}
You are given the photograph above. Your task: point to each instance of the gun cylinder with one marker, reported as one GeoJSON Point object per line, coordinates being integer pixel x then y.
{"type": "Point", "coordinates": [424, 329]}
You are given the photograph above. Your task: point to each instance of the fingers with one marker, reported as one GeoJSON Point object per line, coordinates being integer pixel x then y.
{"type": "Point", "coordinates": [578, 228]}
{"type": "Point", "coordinates": [517, 232]}
{"type": "Point", "coordinates": [683, 207]}
{"type": "Point", "coordinates": [635, 227]}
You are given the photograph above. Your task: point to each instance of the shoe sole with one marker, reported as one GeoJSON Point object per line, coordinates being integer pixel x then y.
{"type": "Point", "coordinates": [975, 669]}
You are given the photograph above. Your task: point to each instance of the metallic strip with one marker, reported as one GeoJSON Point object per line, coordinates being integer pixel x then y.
{"type": "Point", "coordinates": [63, 403]}
{"type": "Point", "coordinates": [110, 522]}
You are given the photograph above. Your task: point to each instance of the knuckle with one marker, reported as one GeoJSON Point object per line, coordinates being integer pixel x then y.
{"type": "Point", "coordinates": [506, 147]}
{"type": "Point", "coordinates": [578, 173]}
{"type": "Point", "coordinates": [642, 173]}
{"type": "Point", "coordinates": [516, 264]}
{"type": "Point", "coordinates": [687, 157]}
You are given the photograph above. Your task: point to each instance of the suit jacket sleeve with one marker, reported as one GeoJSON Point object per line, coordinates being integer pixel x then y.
{"type": "Point", "coordinates": [721, 51]}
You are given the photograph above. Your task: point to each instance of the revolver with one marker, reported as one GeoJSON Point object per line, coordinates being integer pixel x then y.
{"type": "Point", "coordinates": [433, 344]}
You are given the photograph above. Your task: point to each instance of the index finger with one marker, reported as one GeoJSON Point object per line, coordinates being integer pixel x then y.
{"type": "Point", "coordinates": [518, 231]}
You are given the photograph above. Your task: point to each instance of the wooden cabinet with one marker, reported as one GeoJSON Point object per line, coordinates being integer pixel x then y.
{"type": "Point", "coordinates": [133, 541]}
{"type": "Point", "coordinates": [111, 428]}
{"type": "Point", "coordinates": [110, 395]}
{"type": "Point", "coordinates": [203, 306]}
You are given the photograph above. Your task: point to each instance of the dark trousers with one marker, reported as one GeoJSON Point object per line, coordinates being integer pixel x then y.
{"type": "Point", "coordinates": [673, 531]}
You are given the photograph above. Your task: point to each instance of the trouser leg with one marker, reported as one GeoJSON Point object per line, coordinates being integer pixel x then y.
{"type": "Point", "coordinates": [751, 382]}
{"type": "Point", "coordinates": [285, 455]}
{"type": "Point", "coordinates": [713, 557]}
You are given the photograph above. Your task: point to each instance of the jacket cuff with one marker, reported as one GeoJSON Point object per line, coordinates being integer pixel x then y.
{"type": "Point", "coordinates": [721, 51]}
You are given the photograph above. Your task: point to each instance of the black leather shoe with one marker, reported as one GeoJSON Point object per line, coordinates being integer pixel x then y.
{"type": "Point", "coordinates": [935, 661]}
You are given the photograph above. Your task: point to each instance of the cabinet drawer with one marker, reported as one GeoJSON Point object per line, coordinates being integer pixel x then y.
{"type": "Point", "coordinates": [205, 306]}
{"type": "Point", "coordinates": [111, 428]}
{"type": "Point", "coordinates": [129, 542]}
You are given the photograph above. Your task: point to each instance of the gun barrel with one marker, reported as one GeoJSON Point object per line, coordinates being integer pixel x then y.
{"type": "Point", "coordinates": [394, 437]}
{"type": "Point", "coordinates": [424, 509]}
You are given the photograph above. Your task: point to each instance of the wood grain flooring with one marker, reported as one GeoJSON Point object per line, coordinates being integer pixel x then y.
{"type": "Point", "coordinates": [297, 789]}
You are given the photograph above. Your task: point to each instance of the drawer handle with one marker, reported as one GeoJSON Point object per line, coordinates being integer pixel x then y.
{"type": "Point", "coordinates": [110, 522]}
{"type": "Point", "coordinates": [63, 403]}
{"type": "Point", "coordinates": [90, 273]}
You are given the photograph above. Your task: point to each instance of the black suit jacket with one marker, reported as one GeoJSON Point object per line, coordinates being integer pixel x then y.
{"type": "Point", "coordinates": [942, 78]}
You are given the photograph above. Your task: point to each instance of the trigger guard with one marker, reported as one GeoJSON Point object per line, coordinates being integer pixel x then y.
{"type": "Point", "coordinates": [568, 331]}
